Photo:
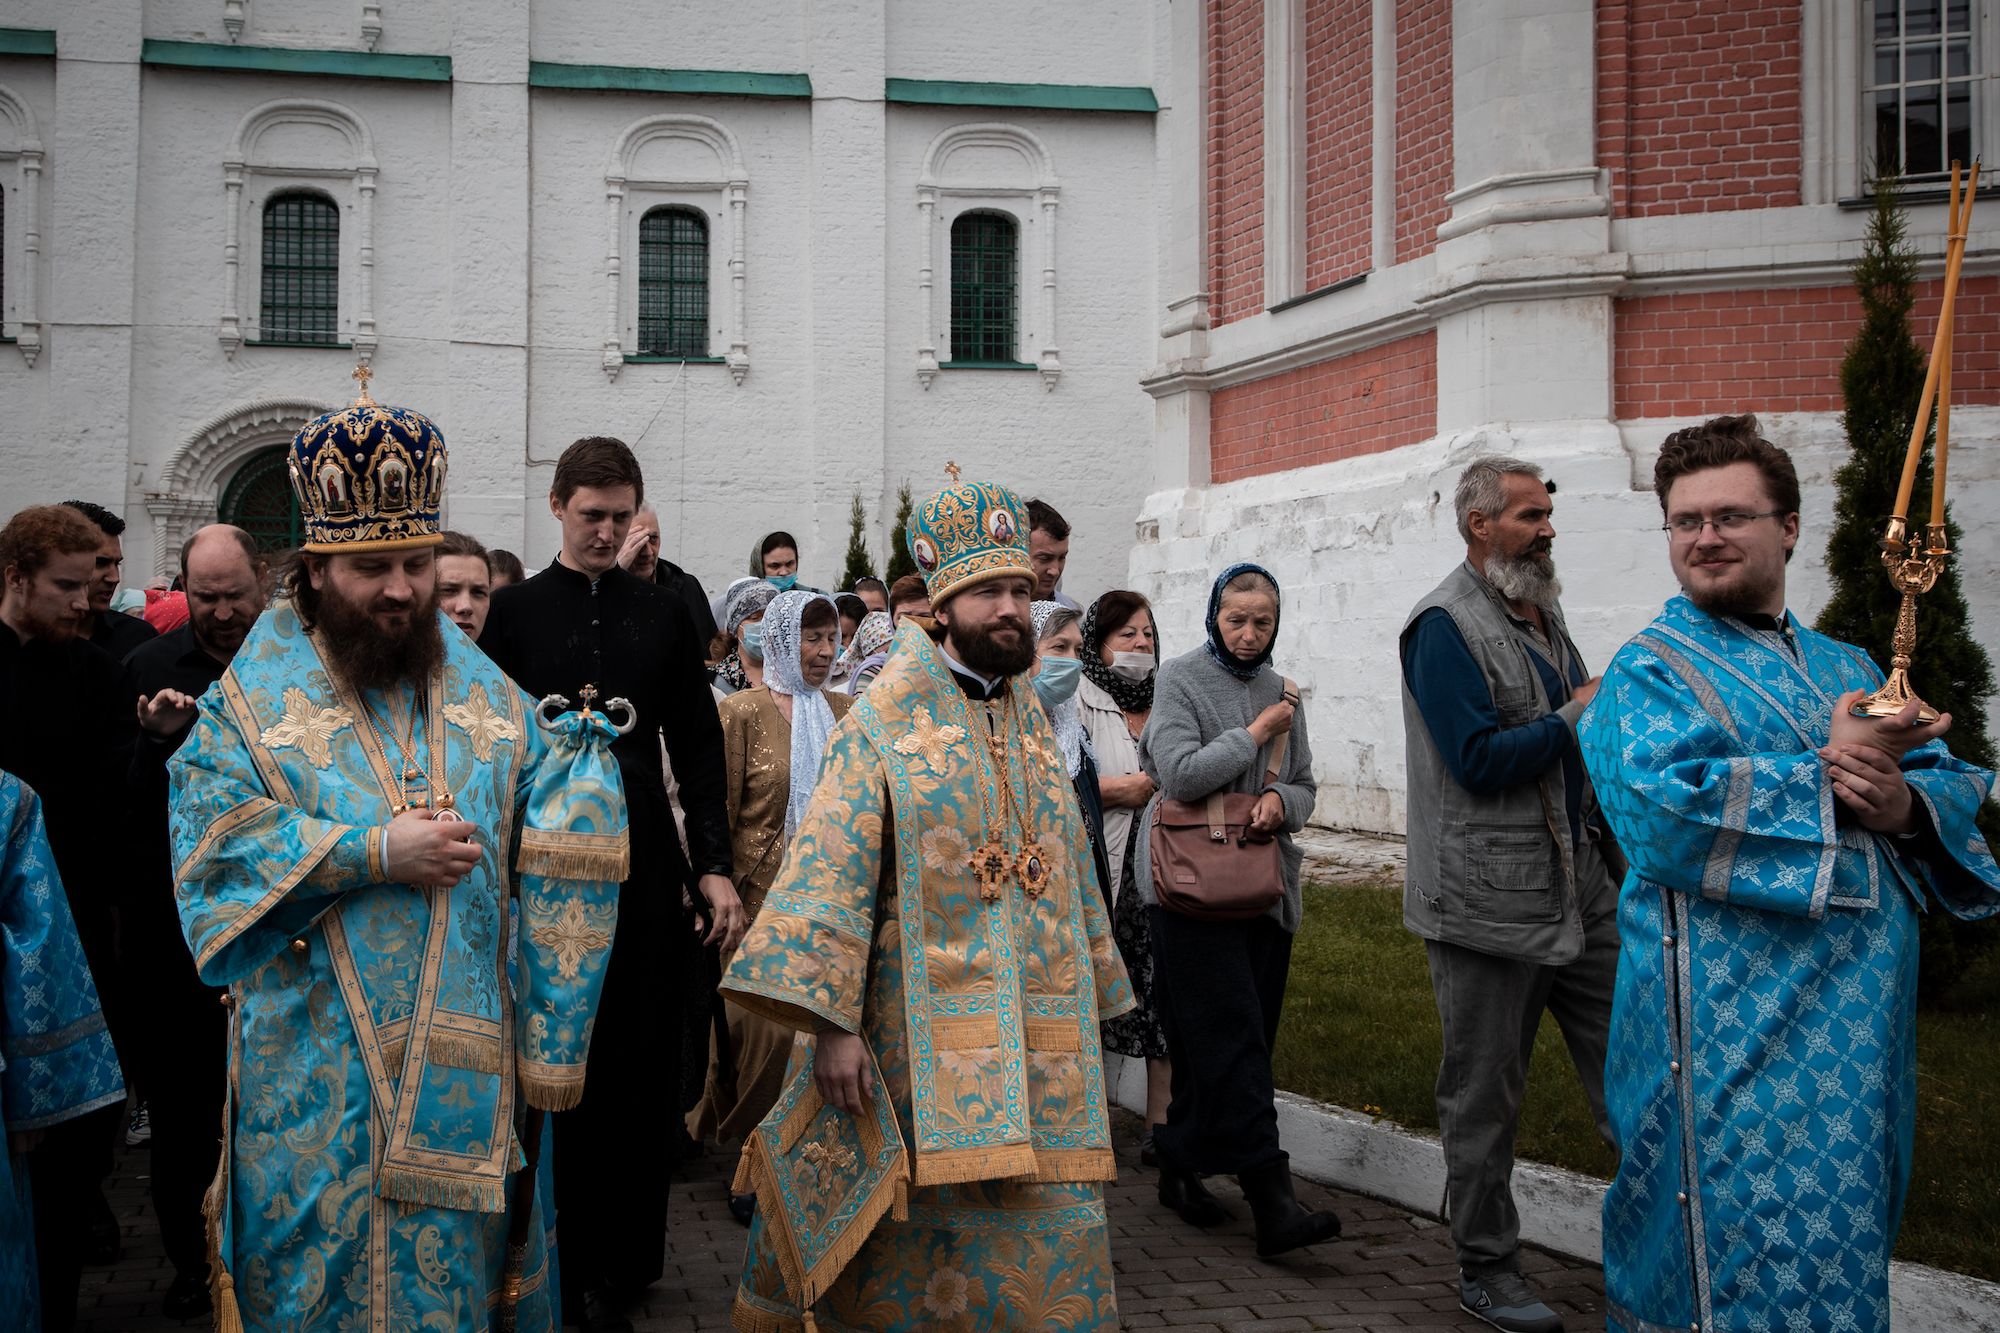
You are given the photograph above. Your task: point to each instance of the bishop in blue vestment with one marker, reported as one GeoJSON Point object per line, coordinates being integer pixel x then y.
{"type": "Point", "coordinates": [361, 795]}
{"type": "Point", "coordinates": [56, 1061]}
{"type": "Point", "coordinates": [1762, 1069]}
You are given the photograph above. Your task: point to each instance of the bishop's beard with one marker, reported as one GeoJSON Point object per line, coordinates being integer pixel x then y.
{"type": "Point", "coordinates": [1529, 577]}
{"type": "Point", "coordinates": [369, 657]}
{"type": "Point", "coordinates": [985, 654]}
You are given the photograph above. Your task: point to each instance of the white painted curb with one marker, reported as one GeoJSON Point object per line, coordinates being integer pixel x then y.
{"type": "Point", "coordinates": [1560, 1210]}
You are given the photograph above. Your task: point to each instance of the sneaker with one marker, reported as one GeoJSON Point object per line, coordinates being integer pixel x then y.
{"type": "Point", "coordinates": [1505, 1300]}
{"type": "Point", "coordinates": [139, 1128]}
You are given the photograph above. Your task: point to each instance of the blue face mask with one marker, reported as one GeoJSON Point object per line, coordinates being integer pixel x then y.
{"type": "Point", "coordinates": [1056, 681]}
{"type": "Point", "coordinates": [783, 582]}
{"type": "Point", "coordinates": [751, 640]}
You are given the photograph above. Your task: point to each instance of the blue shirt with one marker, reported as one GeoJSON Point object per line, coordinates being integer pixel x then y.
{"type": "Point", "coordinates": [1481, 755]}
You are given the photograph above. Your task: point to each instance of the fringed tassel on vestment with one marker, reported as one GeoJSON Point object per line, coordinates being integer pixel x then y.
{"type": "Point", "coordinates": [560, 854]}
{"type": "Point", "coordinates": [747, 1318]}
{"type": "Point", "coordinates": [215, 1206]}
{"type": "Point", "coordinates": [1080, 1164]}
{"type": "Point", "coordinates": [955, 1167]}
{"type": "Point", "coordinates": [551, 1087]}
{"type": "Point", "coordinates": [459, 1050]}
{"type": "Point", "coordinates": [431, 1190]}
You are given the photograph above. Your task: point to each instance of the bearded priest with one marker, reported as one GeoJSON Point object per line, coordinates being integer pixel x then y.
{"type": "Point", "coordinates": [937, 938]}
{"type": "Point", "coordinates": [360, 795]}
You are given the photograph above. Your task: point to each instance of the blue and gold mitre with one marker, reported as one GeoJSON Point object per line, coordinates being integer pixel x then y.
{"type": "Point", "coordinates": [968, 533]}
{"type": "Point", "coordinates": [369, 478]}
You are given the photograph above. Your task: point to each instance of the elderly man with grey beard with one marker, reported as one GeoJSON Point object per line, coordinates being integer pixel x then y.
{"type": "Point", "coordinates": [1512, 871]}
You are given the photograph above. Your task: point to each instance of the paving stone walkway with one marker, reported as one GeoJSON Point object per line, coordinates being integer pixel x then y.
{"type": "Point", "coordinates": [1391, 1270]}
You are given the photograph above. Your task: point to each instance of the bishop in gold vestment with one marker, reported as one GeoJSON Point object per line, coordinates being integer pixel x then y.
{"type": "Point", "coordinates": [939, 901]}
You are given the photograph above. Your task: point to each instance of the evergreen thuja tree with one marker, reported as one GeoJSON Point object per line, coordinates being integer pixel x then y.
{"type": "Point", "coordinates": [1881, 379]}
{"type": "Point", "coordinates": [900, 560]}
{"type": "Point", "coordinates": [858, 567]}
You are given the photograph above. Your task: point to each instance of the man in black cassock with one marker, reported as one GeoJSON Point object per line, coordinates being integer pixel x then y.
{"type": "Point", "coordinates": [183, 1058]}
{"type": "Point", "coordinates": [585, 621]}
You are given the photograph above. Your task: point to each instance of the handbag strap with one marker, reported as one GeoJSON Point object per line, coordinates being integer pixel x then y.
{"type": "Point", "coordinates": [1217, 822]}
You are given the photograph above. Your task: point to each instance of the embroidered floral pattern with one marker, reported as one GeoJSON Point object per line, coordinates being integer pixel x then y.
{"type": "Point", "coordinates": [481, 724]}
{"type": "Point", "coordinates": [307, 727]}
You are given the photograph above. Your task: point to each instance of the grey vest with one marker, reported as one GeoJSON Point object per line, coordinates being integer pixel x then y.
{"type": "Point", "coordinates": [1494, 873]}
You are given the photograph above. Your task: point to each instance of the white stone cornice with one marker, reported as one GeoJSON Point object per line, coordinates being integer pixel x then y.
{"type": "Point", "coordinates": [21, 245]}
{"type": "Point", "coordinates": [192, 481]}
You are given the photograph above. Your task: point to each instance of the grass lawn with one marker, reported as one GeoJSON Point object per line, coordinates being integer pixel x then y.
{"type": "Point", "coordinates": [1361, 1030]}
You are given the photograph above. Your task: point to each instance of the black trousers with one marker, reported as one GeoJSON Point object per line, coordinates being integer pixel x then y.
{"type": "Point", "coordinates": [1219, 987]}
{"type": "Point", "coordinates": [186, 1072]}
{"type": "Point", "coordinates": [614, 1152]}
{"type": "Point", "coordinates": [64, 1174]}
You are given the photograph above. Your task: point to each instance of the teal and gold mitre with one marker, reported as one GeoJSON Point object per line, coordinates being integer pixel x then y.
{"type": "Point", "coordinates": [968, 533]}
{"type": "Point", "coordinates": [369, 478]}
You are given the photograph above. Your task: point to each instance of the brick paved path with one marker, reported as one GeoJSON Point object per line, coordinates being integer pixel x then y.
{"type": "Point", "coordinates": [1390, 1270]}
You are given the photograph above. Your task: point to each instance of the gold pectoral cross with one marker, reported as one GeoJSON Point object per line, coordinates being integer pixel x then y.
{"type": "Point", "coordinates": [991, 864]}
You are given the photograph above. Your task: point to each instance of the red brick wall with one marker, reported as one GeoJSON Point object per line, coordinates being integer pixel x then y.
{"type": "Point", "coordinates": [1698, 104]}
{"type": "Point", "coordinates": [1339, 130]}
{"type": "Point", "coordinates": [1423, 124]}
{"type": "Point", "coordinates": [1701, 353]}
{"type": "Point", "coordinates": [1358, 404]}
{"type": "Point", "coordinates": [1236, 159]}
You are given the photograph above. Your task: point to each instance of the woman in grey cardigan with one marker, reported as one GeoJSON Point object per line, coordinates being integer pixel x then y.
{"type": "Point", "coordinates": [1217, 714]}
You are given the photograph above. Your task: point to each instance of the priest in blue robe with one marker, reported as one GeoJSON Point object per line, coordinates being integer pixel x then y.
{"type": "Point", "coordinates": [360, 796]}
{"type": "Point", "coordinates": [56, 1060]}
{"type": "Point", "coordinates": [1762, 1069]}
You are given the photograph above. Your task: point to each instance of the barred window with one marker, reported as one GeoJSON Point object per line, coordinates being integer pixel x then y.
{"type": "Point", "coordinates": [259, 500]}
{"type": "Point", "coordinates": [1923, 82]}
{"type": "Point", "coordinates": [984, 282]}
{"type": "Point", "coordinates": [301, 272]}
{"type": "Point", "coordinates": [673, 283]}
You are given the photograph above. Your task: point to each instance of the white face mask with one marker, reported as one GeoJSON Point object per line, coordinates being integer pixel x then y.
{"type": "Point", "coordinates": [1133, 666]}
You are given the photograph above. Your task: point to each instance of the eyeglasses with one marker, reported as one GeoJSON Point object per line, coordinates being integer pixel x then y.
{"type": "Point", "coordinates": [1725, 525]}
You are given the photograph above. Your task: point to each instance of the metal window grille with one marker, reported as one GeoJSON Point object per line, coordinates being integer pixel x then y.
{"type": "Point", "coordinates": [1923, 81]}
{"type": "Point", "coordinates": [301, 296]}
{"type": "Point", "coordinates": [673, 283]}
{"type": "Point", "coordinates": [259, 500]}
{"type": "Point", "coordinates": [984, 283]}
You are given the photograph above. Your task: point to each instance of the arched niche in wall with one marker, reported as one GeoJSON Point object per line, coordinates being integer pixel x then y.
{"type": "Point", "coordinates": [194, 479]}
{"type": "Point", "coordinates": [996, 167]}
{"type": "Point", "coordinates": [299, 145]}
{"type": "Point", "coordinates": [20, 226]}
{"type": "Point", "coordinates": [686, 162]}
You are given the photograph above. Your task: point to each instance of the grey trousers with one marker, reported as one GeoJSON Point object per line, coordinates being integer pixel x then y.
{"type": "Point", "coordinates": [1490, 1007]}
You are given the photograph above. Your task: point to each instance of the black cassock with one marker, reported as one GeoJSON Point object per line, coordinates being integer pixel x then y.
{"type": "Point", "coordinates": [554, 634]}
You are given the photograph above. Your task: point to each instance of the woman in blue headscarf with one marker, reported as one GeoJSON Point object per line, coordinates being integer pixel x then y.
{"type": "Point", "coordinates": [1220, 714]}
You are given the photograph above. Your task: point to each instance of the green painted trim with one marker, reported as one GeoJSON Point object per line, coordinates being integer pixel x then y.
{"type": "Point", "coordinates": [1038, 96]}
{"type": "Point", "coordinates": [632, 360]}
{"type": "Point", "coordinates": [27, 42]}
{"type": "Point", "coordinates": [288, 60]}
{"type": "Point", "coordinates": [304, 347]}
{"type": "Point", "coordinates": [638, 79]}
{"type": "Point", "coordinates": [987, 365]}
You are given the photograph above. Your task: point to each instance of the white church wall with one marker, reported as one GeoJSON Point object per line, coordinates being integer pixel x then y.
{"type": "Point", "coordinates": [1024, 41]}
{"type": "Point", "coordinates": [33, 475]}
{"type": "Point", "coordinates": [1078, 444]}
{"type": "Point", "coordinates": [758, 36]}
{"type": "Point", "coordinates": [412, 26]}
{"type": "Point", "coordinates": [180, 369]}
{"type": "Point", "coordinates": [720, 458]}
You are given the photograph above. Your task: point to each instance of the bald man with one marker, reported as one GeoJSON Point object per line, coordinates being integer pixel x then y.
{"type": "Point", "coordinates": [182, 1070]}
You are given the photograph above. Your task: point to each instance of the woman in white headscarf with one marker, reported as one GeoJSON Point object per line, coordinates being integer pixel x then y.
{"type": "Point", "coordinates": [774, 737]}
{"type": "Point", "coordinates": [1058, 633]}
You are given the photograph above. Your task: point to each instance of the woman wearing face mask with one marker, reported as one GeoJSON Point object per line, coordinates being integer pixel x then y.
{"type": "Point", "coordinates": [1058, 639]}
{"type": "Point", "coordinates": [1114, 700]}
{"type": "Point", "coordinates": [1220, 713]}
{"type": "Point", "coordinates": [742, 665]}
{"type": "Point", "coordinates": [774, 736]}
{"type": "Point", "coordinates": [775, 559]}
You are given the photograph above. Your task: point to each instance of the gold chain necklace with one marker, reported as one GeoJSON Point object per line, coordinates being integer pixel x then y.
{"type": "Point", "coordinates": [991, 863]}
{"type": "Point", "coordinates": [406, 749]}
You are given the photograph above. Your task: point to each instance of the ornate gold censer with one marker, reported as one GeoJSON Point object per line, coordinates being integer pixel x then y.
{"type": "Point", "coordinates": [1914, 566]}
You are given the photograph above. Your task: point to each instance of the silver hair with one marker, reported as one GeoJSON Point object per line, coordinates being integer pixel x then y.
{"type": "Point", "coordinates": [1483, 486]}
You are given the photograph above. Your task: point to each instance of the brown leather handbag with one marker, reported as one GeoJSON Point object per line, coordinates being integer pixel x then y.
{"type": "Point", "coordinates": [1208, 863]}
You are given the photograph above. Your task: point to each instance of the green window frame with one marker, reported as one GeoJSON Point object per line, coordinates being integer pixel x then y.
{"type": "Point", "coordinates": [259, 500]}
{"type": "Point", "coordinates": [300, 303]}
{"type": "Point", "coordinates": [985, 287]}
{"type": "Point", "coordinates": [673, 283]}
